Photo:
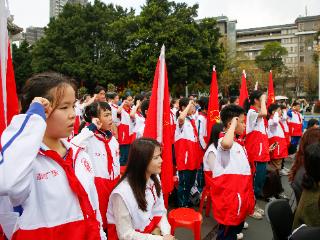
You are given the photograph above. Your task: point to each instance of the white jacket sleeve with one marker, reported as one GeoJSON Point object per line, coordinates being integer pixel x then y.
{"type": "Point", "coordinates": [20, 143]}
{"type": "Point", "coordinates": [82, 139]}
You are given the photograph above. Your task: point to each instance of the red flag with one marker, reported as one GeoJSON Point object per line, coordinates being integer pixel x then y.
{"type": "Point", "coordinates": [158, 122]}
{"type": "Point", "coordinates": [8, 95]}
{"type": "Point", "coordinates": [213, 106]}
{"type": "Point", "coordinates": [243, 90]}
{"type": "Point", "coordinates": [271, 98]}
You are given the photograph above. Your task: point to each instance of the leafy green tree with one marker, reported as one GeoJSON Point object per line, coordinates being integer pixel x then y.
{"type": "Point", "coordinates": [21, 58]}
{"type": "Point", "coordinates": [104, 44]}
{"type": "Point", "coordinates": [271, 56]}
{"type": "Point", "coordinates": [78, 43]}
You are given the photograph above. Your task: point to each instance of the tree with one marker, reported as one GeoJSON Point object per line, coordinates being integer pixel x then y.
{"type": "Point", "coordinates": [271, 58]}
{"type": "Point", "coordinates": [21, 58]}
{"type": "Point", "coordinates": [103, 44]}
{"type": "Point", "coordinates": [79, 43]}
{"type": "Point", "coordinates": [191, 48]}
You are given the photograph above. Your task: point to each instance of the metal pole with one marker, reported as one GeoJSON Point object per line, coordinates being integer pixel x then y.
{"type": "Point", "coordinates": [187, 93]}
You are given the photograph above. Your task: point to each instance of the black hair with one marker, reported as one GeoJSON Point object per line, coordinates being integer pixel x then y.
{"type": "Point", "coordinates": [295, 103]}
{"type": "Point", "coordinates": [283, 107]}
{"type": "Point", "coordinates": [173, 101]}
{"type": "Point", "coordinates": [273, 107]}
{"type": "Point", "coordinates": [138, 97]}
{"type": "Point", "coordinates": [203, 103]}
{"type": "Point", "coordinates": [229, 112]}
{"type": "Point", "coordinates": [233, 99]}
{"type": "Point", "coordinates": [311, 178]}
{"type": "Point", "coordinates": [41, 84]}
{"type": "Point", "coordinates": [215, 132]}
{"type": "Point", "coordinates": [140, 155]}
{"type": "Point", "coordinates": [111, 95]}
{"type": "Point", "coordinates": [312, 122]}
{"type": "Point", "coordinates": [222, 102]}
{"type": "Point", "coordinates": [254, 95]}
{"type": "Point", "coordinates": [99, 89]}
{"type": "Point", "coordinates": [93, 111]}
{"type": "Point", "coordinates": [144, 107]}
{"type": "Point", "coordinates": [182, 103]}
{"type": "Point", "coordinates": [84, 97]}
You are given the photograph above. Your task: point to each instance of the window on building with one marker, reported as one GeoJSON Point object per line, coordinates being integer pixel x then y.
{"type": "Point", "coordinates": [301, 49]}
{"type": "Point", "coordinates": [300, 26]}
{"type": "Point", "coordinates": [291, 49]}
{"type": "Point", "coordinates": [301, 59]}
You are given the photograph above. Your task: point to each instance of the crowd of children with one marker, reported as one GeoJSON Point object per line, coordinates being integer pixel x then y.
{"type": "Point", "coordinates": [61, 160]}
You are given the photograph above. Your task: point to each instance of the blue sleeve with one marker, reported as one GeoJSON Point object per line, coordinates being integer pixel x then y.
{"type": "Point", "coordinates": [289, 113]}
{"type": "Point", "coordinates": [37, 108]}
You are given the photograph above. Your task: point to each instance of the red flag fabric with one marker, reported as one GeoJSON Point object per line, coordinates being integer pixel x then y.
{"type": "Point", "coordinates": [157, 124]}
{"type": "Point", "coordinates": [8, 97]}
{"type": "Point", "coordinates": [271, 97]}
{"type": "Point", "coordinates": [213, 106]}
{"type": "Point", "coordinates": [243, 90]}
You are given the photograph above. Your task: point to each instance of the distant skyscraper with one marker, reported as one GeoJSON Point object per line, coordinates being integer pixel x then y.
{"type": "Point", "coordinates": [33, 34]}
{"type": "Point", "coordinates": [56, 6]}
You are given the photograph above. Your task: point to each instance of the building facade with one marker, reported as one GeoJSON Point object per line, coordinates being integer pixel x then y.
{"type": "Point", "coordinates": [299, 40]}
{"type": "Point", "coordinates": [33, 34]}
{"type": "Point", "coordinates": [56, 6]}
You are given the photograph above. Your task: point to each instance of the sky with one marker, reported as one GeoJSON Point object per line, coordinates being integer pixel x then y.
{"type": "Point", "coordinates": [248, 13]}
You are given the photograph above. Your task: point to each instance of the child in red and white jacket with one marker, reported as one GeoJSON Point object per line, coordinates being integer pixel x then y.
{"type": "Point", "coordinates": [103, 149]}
{"type": "Point", "coordinates": [50, 179]}
{"type": "Point", "coordinates": [257, 143]}
{"type": "Point", "coordinates": [231, 184]}
{"type": "Point", "coordinates": [125, 129]}
{"type": "Point", "coordinates": [276, 135]}
{"type": "Point", "coordinates": [187, 150]}
{"type": "Point", "coordinates": [295, 121]}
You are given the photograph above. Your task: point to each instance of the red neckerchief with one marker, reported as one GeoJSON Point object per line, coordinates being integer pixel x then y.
{"type": "Point", "coordinates": [139, 114]}
{"type": "Point", "coordinates": [74, 183]}
{"type": "Point", "coordinates": [108, 150]}
{"type": "Point", "coordinates": [193, 123]}
{"type": "Point", "coordinates": [298, 115]}
{"type": "Point", "coordinates": [115, 106]}
{"type": "Point", "coordinates": [282, 126]}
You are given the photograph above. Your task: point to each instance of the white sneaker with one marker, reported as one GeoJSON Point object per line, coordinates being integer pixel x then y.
{"type": "Point", "coordinates": [283, 196]}
{"type": "Point", "coordinates": [240, 236]}
{"type": "Point", "coordinates": [283, 172]}
{"type": "Point", "coordinates": [245, 225]}
{"type": "Point", "coordinates": [259, 210]}
{"type": "Point", "coordinates": [256, 215]}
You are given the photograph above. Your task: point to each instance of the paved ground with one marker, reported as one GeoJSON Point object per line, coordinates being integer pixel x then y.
{"type": "Point", "coordinates": [258, 229]}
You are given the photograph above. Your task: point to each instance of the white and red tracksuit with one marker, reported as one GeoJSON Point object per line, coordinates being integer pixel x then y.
{"type": "Point", "coordinates": [284, 122]}
{"type": "Point", "coordinates": [138, 126]}
{"type": "Point", "coordinates": [173, 122]}
{"type": "Point", "coordinates": [231, 186]}
{"type": "Point", "coordinates": [114, 113]}
{"type": "Point", "coordinates": [125, 128]}
{"type": "Point", "coordinates": [276, 134]}
{"type": "Point", "coordinates": [187, 148]}
{"type": "Point", "coordinates": [104, 154]}
{"type": "Point", "coordinates": [295, 124]}
{"type": "Point", "coordinates": [144, 222]}
{"type": "Point", "coordinates": [256, 143]}
{"type": "Point", "coordinates": [58, 195]}
{"type": "Point", "coordinates": [201, 124]}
